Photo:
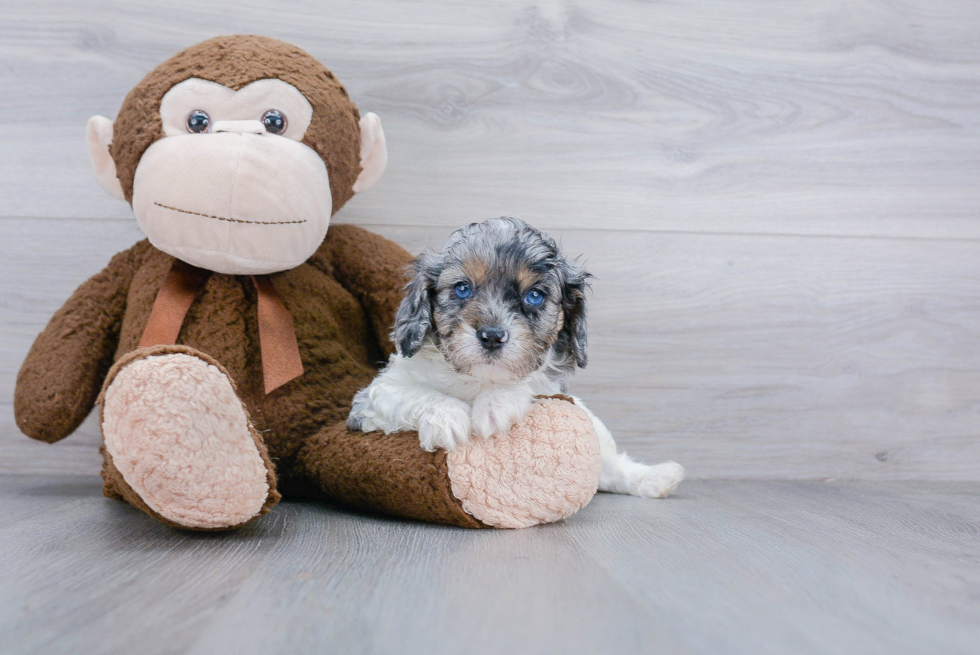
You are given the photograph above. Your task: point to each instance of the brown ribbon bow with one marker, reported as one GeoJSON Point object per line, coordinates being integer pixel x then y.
{"type": "Point", "coordinates": [277, 336]}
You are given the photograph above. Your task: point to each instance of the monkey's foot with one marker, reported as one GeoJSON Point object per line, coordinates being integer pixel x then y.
{"type": "Point", "coordinates": [545, 469]}
{"type": "Point", "coordinates": [177, 433]}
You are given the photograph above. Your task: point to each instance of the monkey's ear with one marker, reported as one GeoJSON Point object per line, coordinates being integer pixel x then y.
{"type": "Point", "coordinates": [374, 152]}
{"type": "Point", "coordinates": [99, 136]}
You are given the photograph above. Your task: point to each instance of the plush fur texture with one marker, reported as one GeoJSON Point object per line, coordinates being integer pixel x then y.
{"type": "Point", "coordinates": [191, 437]}
{"type": "Point", "coordinates": [544, 470]}
{"type": "Point", "coordinates": [60, 379]}
{"type": "Point", "coordinates": [342, 301]}
{"type": "Point", "coordinates": [236, 62]}
{"type": "Point", "coordinates": [387, 474]}
{"type": "Point", "coordinates": [181, 439]}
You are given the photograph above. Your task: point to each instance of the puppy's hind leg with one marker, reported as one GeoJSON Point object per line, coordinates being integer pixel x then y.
{"type": "Point", "coordinates": [622, 475]}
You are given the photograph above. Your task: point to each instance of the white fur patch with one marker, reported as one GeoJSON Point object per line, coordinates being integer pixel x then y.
{"type": "Point", "coordinates": [444, 424]}
{"type": "Point", "coordinates": [498, 408]}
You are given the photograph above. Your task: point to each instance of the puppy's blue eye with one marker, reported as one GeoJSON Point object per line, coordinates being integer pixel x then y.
{"type": "Point", "coordinates": [534, 297]}
{"type": "Point", "coordinates": [463, 290]}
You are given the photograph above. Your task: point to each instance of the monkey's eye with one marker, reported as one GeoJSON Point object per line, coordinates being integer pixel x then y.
{"type": "Point", "coordinates": [274, 121]}
{"type": "Point", "coordinates": [533, 298]}
{"type": "Point", "coordinates": [198, 122]}
{"type": "Point", "coordinates": [464, 290]}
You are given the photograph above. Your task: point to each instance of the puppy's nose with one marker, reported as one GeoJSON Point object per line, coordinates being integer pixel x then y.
{"type": "Point", "coordinates": [492, 337]}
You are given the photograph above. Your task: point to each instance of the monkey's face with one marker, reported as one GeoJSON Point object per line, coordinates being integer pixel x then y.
{"type": "Point", "coordinates": [230, 187]}
{"type": "Point", "coordinates": [236, 152]}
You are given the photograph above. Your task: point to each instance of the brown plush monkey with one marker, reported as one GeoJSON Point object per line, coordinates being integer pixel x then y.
{"type": "Point", "coordinates": [225, 349]}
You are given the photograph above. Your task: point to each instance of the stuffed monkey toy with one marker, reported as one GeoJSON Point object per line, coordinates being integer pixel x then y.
{"type": "Point", "coordinates": [223, 351]}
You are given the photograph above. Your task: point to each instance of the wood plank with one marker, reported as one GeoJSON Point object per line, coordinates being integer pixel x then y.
{"type": "Point", "coordinates": [384, 587]}
{"type": "Point", "coordinates": [89, 577]}
{"type": "Point", "coordinates": [76, 455]}
{"type": "Point", "coordinates": [738, 356]}
{"type": "Point", "coordinates": [840, 117]}
{"type": "Point", "coordinates": [749, 567]}
{"type": "Point", "coordinates": [733, 567]}
{"type": "Point", "coordinates": [313, 577]}
{"type": "Point", "coordinates": [25, 497]}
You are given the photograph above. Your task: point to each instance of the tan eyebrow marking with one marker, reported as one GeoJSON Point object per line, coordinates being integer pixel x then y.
{"type": "Point", "coordinates": [231, 220]}
{"type": "Point", "coordinates": [475, 269]}
{"type": "Point", "coordinates": [527, 278]}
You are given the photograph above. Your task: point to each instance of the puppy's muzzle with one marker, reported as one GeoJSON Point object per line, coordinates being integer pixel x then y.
{"type": "Point", "coordinates": [492, 338]}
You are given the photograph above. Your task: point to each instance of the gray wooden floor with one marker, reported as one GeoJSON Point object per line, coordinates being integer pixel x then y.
{"type": "Point", "coordinates": [723, 567]}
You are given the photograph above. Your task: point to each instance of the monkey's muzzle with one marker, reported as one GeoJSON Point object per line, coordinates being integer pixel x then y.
{"type": "Point", "coordinates": [248, 202]}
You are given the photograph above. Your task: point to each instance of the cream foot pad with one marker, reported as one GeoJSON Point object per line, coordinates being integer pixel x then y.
{"type": "Point", "coordinates": [179, 435]}
{"type": "Point", "coordinates": [546, 469]}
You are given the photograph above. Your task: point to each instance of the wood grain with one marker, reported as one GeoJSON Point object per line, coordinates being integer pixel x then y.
{"type": "Point", "coordinates": [733, 567]}
{"type": "Point", "coordinates": [833, 117]}
{"type": "Point", "coordinates": [779, 201]}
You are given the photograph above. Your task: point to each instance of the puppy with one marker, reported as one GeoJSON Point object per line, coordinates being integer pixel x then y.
{"type": "Point", "coordinates": [494, 319]}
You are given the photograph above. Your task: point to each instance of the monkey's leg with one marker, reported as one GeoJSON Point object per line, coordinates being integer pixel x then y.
{"type": "Point", "coordinates": [544, 470]}
{"type": "Point", "coordinates": [178, 442]}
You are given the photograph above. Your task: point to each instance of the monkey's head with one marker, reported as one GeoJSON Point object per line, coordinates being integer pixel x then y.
{"type": "Point", "coordinates": [236, 152]}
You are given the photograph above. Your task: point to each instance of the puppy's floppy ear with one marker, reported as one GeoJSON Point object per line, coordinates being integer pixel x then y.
{"type": "Point", "coordinates": [413, 320]}
{"type": "Point", "coordinates": [573, 337]}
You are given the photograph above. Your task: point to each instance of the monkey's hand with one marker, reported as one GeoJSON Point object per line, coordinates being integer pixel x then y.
{"type": "Point", "coordinates": [60, 379]}
{"type": "Point", "coordinates": [498, 408]}
{"type": "Point", "coordinates": [444, 423]}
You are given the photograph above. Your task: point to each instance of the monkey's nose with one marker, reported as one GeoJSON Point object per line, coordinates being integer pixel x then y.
{"type": "Point", "coordinates": [492, 338]}
{"type": "Point", "coordinates": [242, 127]}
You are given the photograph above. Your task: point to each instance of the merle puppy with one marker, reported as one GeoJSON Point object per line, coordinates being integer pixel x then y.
{"type": "Point", "coordinates": [494, 319]}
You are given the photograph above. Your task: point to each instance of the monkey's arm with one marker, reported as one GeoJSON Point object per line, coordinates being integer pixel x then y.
{"type": "Point", "coordinates": [60, 379]}
{"type": "Point", "coordinates": [372, 268]}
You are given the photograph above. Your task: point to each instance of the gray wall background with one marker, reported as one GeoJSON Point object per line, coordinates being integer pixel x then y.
{"type": "Point", "coordinates": [780, 200]}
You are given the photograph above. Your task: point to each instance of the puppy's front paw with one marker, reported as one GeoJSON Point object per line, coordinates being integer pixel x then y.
{"type": "Point", "coordinates": [497, 409]}
{"type": "Point", "coordinates": [444, 424]}
{"type": "Point", "coordinates": [660, 480]}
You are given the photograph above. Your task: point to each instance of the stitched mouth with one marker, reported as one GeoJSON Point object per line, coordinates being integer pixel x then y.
{"type": "Point", "coordinates": [224, 218]}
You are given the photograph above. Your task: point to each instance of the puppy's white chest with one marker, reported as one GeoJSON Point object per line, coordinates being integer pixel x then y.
{"type": "Point", "coordinates": [430, 368]}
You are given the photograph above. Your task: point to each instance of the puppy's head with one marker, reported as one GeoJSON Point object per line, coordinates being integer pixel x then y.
{"type": "Point", "coordinates": [499, 301]}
